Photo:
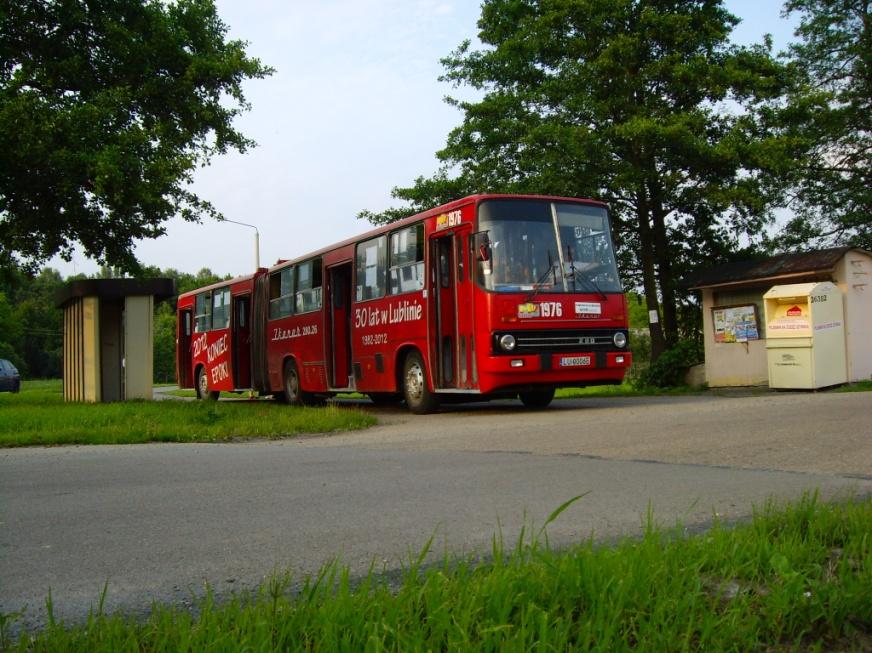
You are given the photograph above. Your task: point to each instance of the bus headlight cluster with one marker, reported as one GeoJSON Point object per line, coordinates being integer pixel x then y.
{"type": "Point", "coordinates": [507, 342]}
{"type": "Point", "coordinates": [620, 339]}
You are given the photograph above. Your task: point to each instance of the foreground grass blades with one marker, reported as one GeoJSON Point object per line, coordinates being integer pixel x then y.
{"type": "Point", "coordinates": [795, 579]}
{"type": "Point", "coordinates": [39, 416]}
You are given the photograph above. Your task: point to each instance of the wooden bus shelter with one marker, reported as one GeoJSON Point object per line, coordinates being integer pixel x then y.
{"type": "Point", "coordinates": [108, 337]}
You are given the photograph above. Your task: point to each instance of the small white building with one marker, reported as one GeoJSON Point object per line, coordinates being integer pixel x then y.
{"type": "Point", "coordinates": [732, 310]}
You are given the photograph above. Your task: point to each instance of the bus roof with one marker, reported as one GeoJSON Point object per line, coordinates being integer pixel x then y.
{"type": "Point", "coordinates": [222, 284]}
{"type": "Point", "coordinates": [412, 219]}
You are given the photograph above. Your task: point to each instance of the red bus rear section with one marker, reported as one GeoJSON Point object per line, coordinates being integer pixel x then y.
{"type": "Point", "coordinates": [214, 337]}
{"type": "Point", "coordinates": [489, 296]}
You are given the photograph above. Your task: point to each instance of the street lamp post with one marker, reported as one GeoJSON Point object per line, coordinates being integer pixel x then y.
{"type": "Point", "coordinates": [256, 239]}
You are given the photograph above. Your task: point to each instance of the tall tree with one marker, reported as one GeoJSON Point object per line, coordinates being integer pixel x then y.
{"type": "Point", "coordinates": [643, 103]}
{"type": "Point", "coordinates": [833, 111]}
{"type": "Point", "coordinates": [106, 109]}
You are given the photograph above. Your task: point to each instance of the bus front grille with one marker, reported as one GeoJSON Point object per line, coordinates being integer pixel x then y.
{"type": "Point", "coordinates": [531, 342]}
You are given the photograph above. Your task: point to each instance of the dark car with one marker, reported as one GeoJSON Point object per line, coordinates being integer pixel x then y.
{"type": "Point", "coordinates": [9, 379]}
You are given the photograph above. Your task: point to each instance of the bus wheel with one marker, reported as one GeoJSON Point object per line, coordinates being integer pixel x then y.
{"type": "Point", "coordinates": [537, 398]}
{"type": "Point", "coordinates": [203, 391]}
{"type": "Point", "coordinates": [291, 389]}
{"type": "Point", "coordinates": [418, 397]}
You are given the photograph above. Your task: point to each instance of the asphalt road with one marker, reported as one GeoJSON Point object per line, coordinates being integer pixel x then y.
{"type": "Point", "coordinates": [158, 522]}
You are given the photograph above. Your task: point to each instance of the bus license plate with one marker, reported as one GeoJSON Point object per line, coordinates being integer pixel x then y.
{"type": "Point", "coordinates": [574, 361]}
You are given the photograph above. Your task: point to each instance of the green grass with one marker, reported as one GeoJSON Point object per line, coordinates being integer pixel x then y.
{"type": "Point", "coordinates": [53, 386]}
{"type": "Point", "coordinates": [797, 578]}
{"type": "Point", "coordinates": [860, 386]}
{"type": "Point", "coordinates": [623, 390]}
{"type": "Point", "coordinates": [182, 392]}
{"type": "Point", "coordinates": [39, 416]}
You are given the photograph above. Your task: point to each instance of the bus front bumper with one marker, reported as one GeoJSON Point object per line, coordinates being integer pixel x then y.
{"type": "Point", "coordinates": [555, 369]}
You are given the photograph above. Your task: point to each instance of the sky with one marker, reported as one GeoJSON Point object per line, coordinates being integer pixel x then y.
{"type": "Point", "coordinates": [354, 109]}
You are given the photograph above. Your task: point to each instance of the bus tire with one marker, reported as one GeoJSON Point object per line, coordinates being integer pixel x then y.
{"type": "Point", "coordinates": [203, 392]}
{"type": "Point", "coordinates": [291, 393]}
{"type": "Point", "coordinates": [537, 398]}
{"type": "Point", "coordinates": [419, 398]}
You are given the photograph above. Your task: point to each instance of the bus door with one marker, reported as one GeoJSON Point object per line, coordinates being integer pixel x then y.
{"type": "Point", "coordinates": [339, 321]}
{"type": "Point", "coordinates": [467, 375]}
{"type": "Point", "coordinates": [240, 329]}
{"type": "Point", "coordinates": [451, 317]}
{"type": "Point", "coordinates": [183, 348]}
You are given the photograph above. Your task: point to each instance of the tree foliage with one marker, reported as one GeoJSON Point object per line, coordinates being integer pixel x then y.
{"type": "Point", "coordinates": [106, 109]}
{"type": "Point", "coordinates": [643, 103]}
{"type": "Point", "coordinates": [30, 323]}
{"type": "Point", "coordinates": [832, 110]}
{"type": "Point", "coordinates": [10, 332]}
{"type": "Point", "coordinates": [670, 369]}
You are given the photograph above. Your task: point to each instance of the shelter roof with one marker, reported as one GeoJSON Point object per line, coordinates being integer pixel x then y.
{"type": "Point", "coordinates": [775, 267]}
{"type": "Point", "coordinates": [160, 289]}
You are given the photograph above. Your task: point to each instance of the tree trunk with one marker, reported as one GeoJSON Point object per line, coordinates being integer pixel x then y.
{"type": "Point", "coordinates": [649, 276]}
{"type": "Point", "coordinates": [664, 269]}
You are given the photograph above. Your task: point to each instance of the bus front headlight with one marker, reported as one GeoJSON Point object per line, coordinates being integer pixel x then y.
{"type": "Point", "coordinates": [620, 339]}
{"type": "Point", "coordinates": [507, 342]}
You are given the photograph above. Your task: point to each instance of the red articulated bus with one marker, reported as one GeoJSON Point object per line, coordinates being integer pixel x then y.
{"type": "Point", "coordinates": [488, 296]}
{"type": "Point", "coordinates": [214, 337]}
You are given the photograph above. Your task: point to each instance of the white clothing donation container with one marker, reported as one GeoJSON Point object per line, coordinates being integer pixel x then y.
{"type": "Point", "coordinates": [805, 336]}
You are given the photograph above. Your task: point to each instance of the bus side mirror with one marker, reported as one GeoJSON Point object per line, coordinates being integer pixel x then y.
{"type": "Point", "coordinates": [483, 246]}
{"type": "Point", "coordinates": [483, 255]}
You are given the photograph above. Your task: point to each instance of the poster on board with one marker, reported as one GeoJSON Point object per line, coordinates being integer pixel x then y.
{"type": "Point", "coordinates": [736, 323]}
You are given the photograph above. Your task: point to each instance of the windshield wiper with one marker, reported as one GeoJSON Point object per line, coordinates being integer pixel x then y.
{"type": "Point", "coordinates": [538, 285]}
{"type": "Point", "coordinates": [577, 275]}
{"type": "Point", "coordinates": [589, 281]}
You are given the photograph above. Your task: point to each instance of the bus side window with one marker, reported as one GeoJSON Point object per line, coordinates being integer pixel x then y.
{"type": "Point", "coordinates": [406, 272]}
{"type": "Point", "coordinates": [203, 312]}
{"type": "Point", "coordinates": [281, 293]}
{"type": "Point", "coordinates": [221, 308]}
{"type": "Point", "coordinates": [187, 322]}
{"type": "Point", "coordinates": [308, 297]}
{"type": "Point", "coordinates": [371, 269]}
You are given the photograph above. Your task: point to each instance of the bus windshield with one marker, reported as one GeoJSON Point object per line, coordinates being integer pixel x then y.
{"type": "Point", "coordinates": [542, 246]}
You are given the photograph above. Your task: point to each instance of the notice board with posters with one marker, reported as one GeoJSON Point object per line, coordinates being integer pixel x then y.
{"type": "Point", "coordinates": [736, 323]}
